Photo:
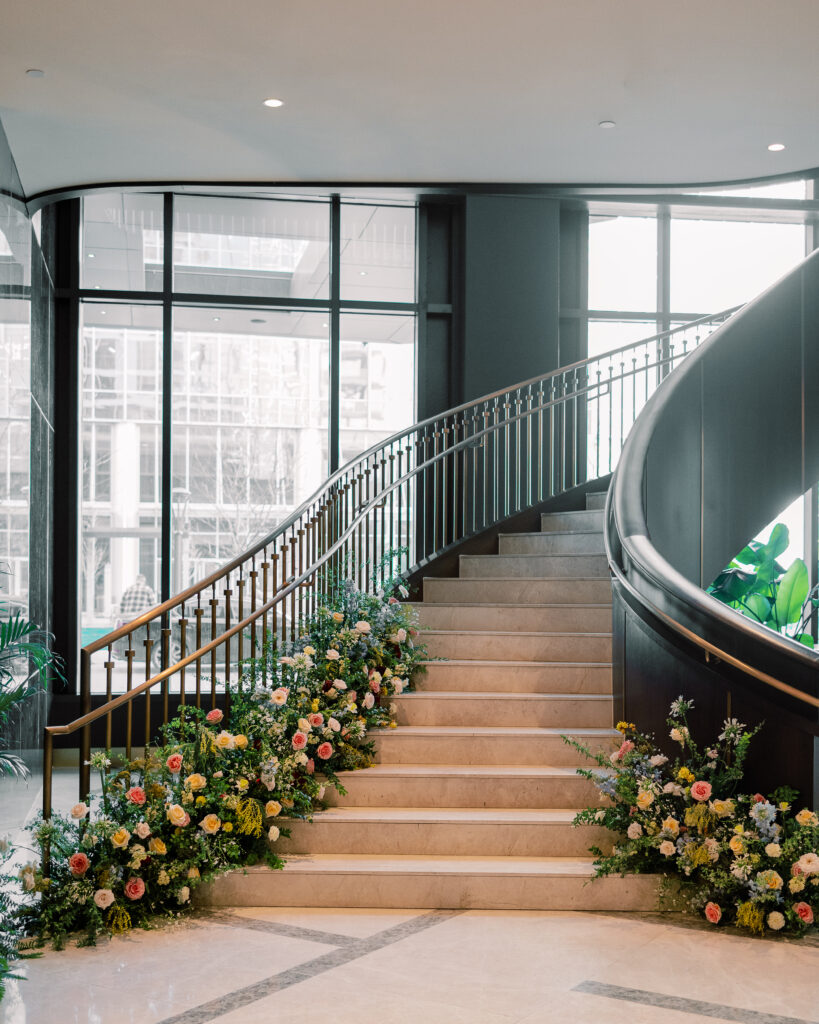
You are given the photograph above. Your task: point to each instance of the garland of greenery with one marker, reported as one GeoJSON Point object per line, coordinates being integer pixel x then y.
{"type": "Point", "coordinates": [745, 860]}
{"type": "Point", "coordinates": [217, 793]}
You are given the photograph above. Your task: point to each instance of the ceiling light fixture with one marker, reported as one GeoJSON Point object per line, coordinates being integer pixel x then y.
{"type": "Point", "coordinates": [606, 124]}
{"type": "Point", "coordinates": [362, 273]}
{"type": "Point", "coordinates": [102, 312]}
{"type": "Point", "coordinates": [273, 102]}
{"type": "Point", "coordinates": [92, 255]}
{"type": "Point", "coordinates": [35, 73]}
{"type": "Point", "coordinates": [256, 320]}
{"type": "Point", "coordinates": [776, 147]}
{"type": "Point", "coordinates": [216, 319]}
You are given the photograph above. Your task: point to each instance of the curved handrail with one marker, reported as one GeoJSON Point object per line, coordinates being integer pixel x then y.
{"type": "Point", "coordinates": [637, 562]}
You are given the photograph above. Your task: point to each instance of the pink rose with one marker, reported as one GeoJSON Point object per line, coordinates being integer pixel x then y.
{"type": "Point", "coordinates": [174, 763]}
{"type": "Point", "coordinates": [325, 751]}
{"type": "Point", "coordinates": [315, 720]}
{"type": "Point", "coordinates": [803, 912]}
{"type": "Point", "coordinates": [136, 794]}
{"type": "Point", "coordinates": [134, 888]}
{"type": "Point", "coordinates": [701, 791]}
{"type": "Point", "coordinates": [214, 716]}
{"type": "Point", "coordinates": [796, 870]}
{"type": "Point", "coordinates": [625, 747]}
{"type": "Point", "coordinates": [713, 913]}
{"type": "Point", "coordinates": [758, 798]}
{"type": "Point", "coordinates": [299, 741]}
{"type": "Point", "coordinates": [310, 767]}
{"type": "Point", "coordinates": [375, 685]}
{"type": "Point", "coordinates": [79, 864]}
{"type": "Point", "coordinates": [393, 600]}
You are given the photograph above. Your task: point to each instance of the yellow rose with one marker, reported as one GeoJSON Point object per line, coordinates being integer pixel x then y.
{"type": "Point", "coordinates": [309, 651]}
{"type": "Point", "coordinates": [272, 808]}
{"type": "Point", "coordinates": [177, 815]}
{"type": "Point", "coordinates": [286, 802]}
{"type": "Point", "coordinates": [227, 827]}
{"type": "Point", "coordinates": [338, 617]}
{"type": "Point", "coordinates": [736, 844]}
{"type": "Point", "coordinates": [671, 825]}
{"type": "Point", "coordinates": [157, 846]}
{"type": "Point", "coordinates": [806, 817]}
{"type": "Point", "coordinates": [645, 798]}
{"type": "Point", "coordinates": [224, 741]}
{"type": "Point", "coordinates": [200, 800]}
{"type": "Point", "coordinates": [241, 785]}
{"type": "Point", "coordinates": [210, 824]}
{"type": "Point", "coordinates": [770, 879]}
{"type": "Point", "coordinates": [240, 740]}
{"type": "Point", "coordinates": [120, 838]}
{"type": "Point", "coordinates": [195, 781]}
{"type": "Point", "coordinates": [723, 808]}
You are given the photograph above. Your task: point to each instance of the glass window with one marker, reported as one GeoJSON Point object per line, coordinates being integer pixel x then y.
{"type": "Point", "coordinates": [122, 241]}
{"type": "Point", "coordinates": [377, 379]}
{"type": "Point", "coordinates": [778, 190]}
{"type": "Point", "coordinates": [718, 264]}
{"type": "Point", "coordinates": [606, 335]}
{"type": "Point", "coordinates": [623, 263]}
{"type": "Point", "coordinates": [15, 448]}
{"type": "Point", "coordinates": [250, 428]}
{"type": "Point", "coordinates": [377, 253]}
{"type": "Point", "coordinates": [121, 464]}
{"type": "Point", "coordinates": [259, 247]}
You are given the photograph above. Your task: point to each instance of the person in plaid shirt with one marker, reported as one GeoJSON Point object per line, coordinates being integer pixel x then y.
{"type": "Point", "coordinates": [136, 599]}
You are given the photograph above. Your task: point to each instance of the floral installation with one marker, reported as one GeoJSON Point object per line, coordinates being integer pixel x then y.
{"type": "Point", "coordinates": [746, 860]}
{"type": "Point", "coordinates": [216, 794]}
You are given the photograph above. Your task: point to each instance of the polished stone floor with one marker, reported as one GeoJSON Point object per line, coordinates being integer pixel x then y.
{"type": "Point", "coordinates": [254, 966]}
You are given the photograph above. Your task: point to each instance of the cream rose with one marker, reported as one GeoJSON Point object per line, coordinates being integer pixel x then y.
{"type": "Point", "coordinates": [776, 921]}
{"type": "Point", "coordinates": [224, 741]}
{"type": "Point", "coordinates": [103, 898]}
{"type": "Point", "coordinates": [362, 626]}
{"type": "Point", "coordinates": [177, 815]}
{"type": "Point", "coordinates": [667, 848]}
{"type": "Point", "coordinates": [79, 811]}
{"type": "Point", "coordinates": [273, 834]}
{"type": "Point", "coordinates": [279, 696]}
{"type": "Point", "coordinates": [143, 830]}
{"type": "Point", "coordinates": [272, 808]}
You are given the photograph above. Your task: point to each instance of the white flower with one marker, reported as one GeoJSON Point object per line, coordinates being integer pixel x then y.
{"type": "Point", "coordinates": [339, 684]}
{"type": "Point", "coordinates": [773, 849]}
{"type": "Point", "coordinates": [657, 760]}
{"type": "Point", "coordinates": [776, 921]}
{"type": "Point", "coordinates": [399, 637]}
{"type": "Point", "coordinates": [279, 696]}
{"type": "Point", "coordinates": [321, 792]}
{"type": "Point", "coordinates": [301, 758]}
{"type": "Point", "coordinates": [403, 592]}
{"type": "Point", "coordinates": [635, 830]}
{"type": "Point", "coordinates": [332, 654]}
{"type": "Point", "coordinates": [273, 833]}
{"type": "Point", "coordinates": [183, 895]}
{"type": "Point", "coordinates": [673, 788]}
{"type": "Point", "coordinates": [304, 725]}
{"type": "Point", "coordinates": [809, 864]}
{"type": "Point", "coordinates": [334, 724]}
{"type": "Point", "coordinates": [398, 686]}
{"type": "Point", "coordinates": [362, 626]}
{"type": "Point", "coordinates": [287, 661]}
{"type": "Point", "coordinates": [667, 848]}
{"type": "Point", "coordinates": [368, 701]}
{"type": "Point", "coordinates": [79, 811]}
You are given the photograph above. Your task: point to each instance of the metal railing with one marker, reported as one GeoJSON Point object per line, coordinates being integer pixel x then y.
{"type": "Point", "coordinates": [394, 508]}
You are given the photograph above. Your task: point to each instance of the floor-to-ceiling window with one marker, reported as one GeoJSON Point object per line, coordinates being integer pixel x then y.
{"type": "Point", "coordinates": [234, 352]}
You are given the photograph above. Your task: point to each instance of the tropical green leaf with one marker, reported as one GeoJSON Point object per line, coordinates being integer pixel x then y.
{"type": "Point", "coordinates": [757, 607]}
{"type": "Point", "coordinates": [791, 594]}
{"type": "Point", "coordinates": [732, 585]}
{"type": "Point", "coordinates": [806, 639]}
{"type": "Point", "coordinates": [778, 541]}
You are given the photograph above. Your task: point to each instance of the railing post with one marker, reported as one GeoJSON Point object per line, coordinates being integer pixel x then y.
{"type": "Point", "coordinates": [85, 735]}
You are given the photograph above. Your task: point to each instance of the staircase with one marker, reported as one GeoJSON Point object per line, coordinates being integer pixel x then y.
{"type": "Point", "coordinates": [471, 800]}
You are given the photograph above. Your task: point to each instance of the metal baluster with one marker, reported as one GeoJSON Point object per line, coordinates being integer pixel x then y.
{"type": "Point", "coordinates": [109, 678]}
{"type": "Point", "coordinates": [265, 591]}
{"type": "Point", "coordinates": [183, 650]}
{"type": "Point", "coordinates": [214, 632]}
{"type": "Point", "coordinates": [294, 575]}
{"type": "Point", "coordinates": [148, 646]}
{"type": "Point", "coordinates": [254, 575]}
{"type": "Point", "coordinates": [240, 636]}
{"type": "Point", "coordinates": [228, 596]}
{"type": "Point", "coordinates": [364, 527]}
{"type": "Point", "coordinates": [130, 654]}
{"type": "Point", "coordinates": [198, 612]}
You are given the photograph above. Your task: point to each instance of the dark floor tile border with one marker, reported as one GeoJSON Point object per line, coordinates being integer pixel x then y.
{"type": "Point", "coordinates": [215, 1008]}
{"type": "Point", "coordinates": [290, 931]}
{"type": "Point", "coordinates": [685, 1005]}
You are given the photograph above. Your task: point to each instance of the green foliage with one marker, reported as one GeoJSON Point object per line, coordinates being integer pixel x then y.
{"type": "Point", "coordinates": [735, 858]}
{"type": "Point", "coordinates": [758, 586]}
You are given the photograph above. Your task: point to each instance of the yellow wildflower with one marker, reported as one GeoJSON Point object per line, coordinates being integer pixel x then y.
{"type": "Point", "coordinates": [200, 800]}
{"type": "Point", "coordinates": [685, 774]}
{"type": "Point", "coordinates": [751, 917]}
{"type": "Point", "coordinates": [228, 826]}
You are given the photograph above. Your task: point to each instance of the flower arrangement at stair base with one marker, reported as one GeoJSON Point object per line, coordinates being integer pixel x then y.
{"type": "Point", "coordinates": [217, 794]}
{"type": "Point", "coordinates": [745, 860]}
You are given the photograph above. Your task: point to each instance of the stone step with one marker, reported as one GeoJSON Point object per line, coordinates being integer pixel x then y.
{"type": "Point", "coordinates": [478, 883]}
{"type": "Point", "coordinates": [513, 590]}
{"type": "Point", "coordinates": [515, 676]}
{"type": "Point", "coordinates": [443, 832]}
{"type": "Point", "coordinates": [461, 785]}
{"type": "Point", "coordinates": [552, 618]}
{"type": "Point", "coordinates": [501, 646]}
{"type": "Point", "coordinates": [533, 566]}
{"type": "Point", "coordinates": [571, 522]}
{"type": "Point", "coordinates": [472, 744]}
{"type": "Point", "coordinates": [505, 709]}
{"type": "Point", "coordinates": [550, 544]}
{"type": "Point", "coordinates": [596, 500]}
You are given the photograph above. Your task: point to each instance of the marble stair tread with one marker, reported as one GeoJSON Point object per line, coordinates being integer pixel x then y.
{"type": "Point", "coordinates": [505, 695]}
{"type": "Point", "coordinates": [519, 664]}
{"type": "Point", "coordinates": [584, 520]}
{"type": "Point", "coordinates": [448, 815]}
{"type": "Point", "coordinates": [441, 731]}
{"type": "Point", "coordinates": [568, 566]}
{"type": "Point", "coordinates": [517, 634]}
{"type": "Point", "coordinates": [568, 590]}
{"type": "Point", "coordinates": [471, 771]}
{"type": "Point", "coordinates": [422, 864]}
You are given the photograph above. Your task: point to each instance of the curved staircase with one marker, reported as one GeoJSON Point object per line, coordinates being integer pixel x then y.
{"type": "Point", "coordinates": [471, 800]}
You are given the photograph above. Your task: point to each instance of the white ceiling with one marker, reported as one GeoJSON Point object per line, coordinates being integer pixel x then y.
{"type": "Point", "coordinates": [425, 91]}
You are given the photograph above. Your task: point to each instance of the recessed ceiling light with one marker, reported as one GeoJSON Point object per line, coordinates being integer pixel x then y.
{"type": "Point", "coordinates": [216, 319]}
{"type": "Point", "coordinates": [606, 124]}
{"type": "Point", "coordinates": [273, 102]}
{"type": "Point", "coordinates": [325, 325]}
{"type": "Point", "coordinates": [362, 273]}
{"type": "Point", "coordinates": [102, 312]}
{"type": "Point", "coordinates": [92, 255]}
{"type": "Point", "coordinates": [35, 73]}
{"type": "Point", "coordinates": [776, 147]}
{"type": "Point", "coordinates": [256, 320]}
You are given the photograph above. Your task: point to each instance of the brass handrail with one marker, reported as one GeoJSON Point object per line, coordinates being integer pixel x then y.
{"type": "Point", "coordinates": [420, 491]}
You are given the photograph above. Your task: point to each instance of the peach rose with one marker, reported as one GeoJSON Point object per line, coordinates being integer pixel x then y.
{"type": "Point", "coordinates": [701, 791]}
{"type": "Point", "coordinates": [210, 824]}
{"type": "Point", "coordinates": [79, 864]}
{"type": "Point", "coordinates": [241, 741]}
{"type": "Point", "coordinates": [804, 912]}
{"type": "Point", "coordinates": [174, 763]}
{"type": "Point", "coordinates": [667, 848]}
{"type": "Point", "coordinates": [324, 751]}
{"type": "Point", "coordinates": [362, 626]}
{"type": "Point", "coordinates": [177, 815]}
{"type": "Point", "coordinates": [195, 782]}
{"type": "Point", "coordinates": [299, 741]}
{"type": "Point", "coordinates": [214, 716]}
{"type": "Point", "coordinates": [332, 654]}
{"type": "Point", "coordinates": [334, 724]}
{"type": "Point", "coordinates": [143, 830]}
{"type": "Point", "coordinates": [79, 811]}
{"type": "Point", "coordinates": [272, 808]}
{"type": "Point", "coordinates": [315, 720]}
{"type": "Point", "coordinates": [279, 696]}
{"type": "Point", "coordinates": [135, 888]}
{"type": "Point", "coordinates": [224, 741]}
{"type": "Point", "coordinates": [157, 846]}
{"type": "Point", "coordinates": [103, 898]}
{"type": "Point", "coordinates": [136, 794]}
{"type": "Point", "coordinates": [713, 912]}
